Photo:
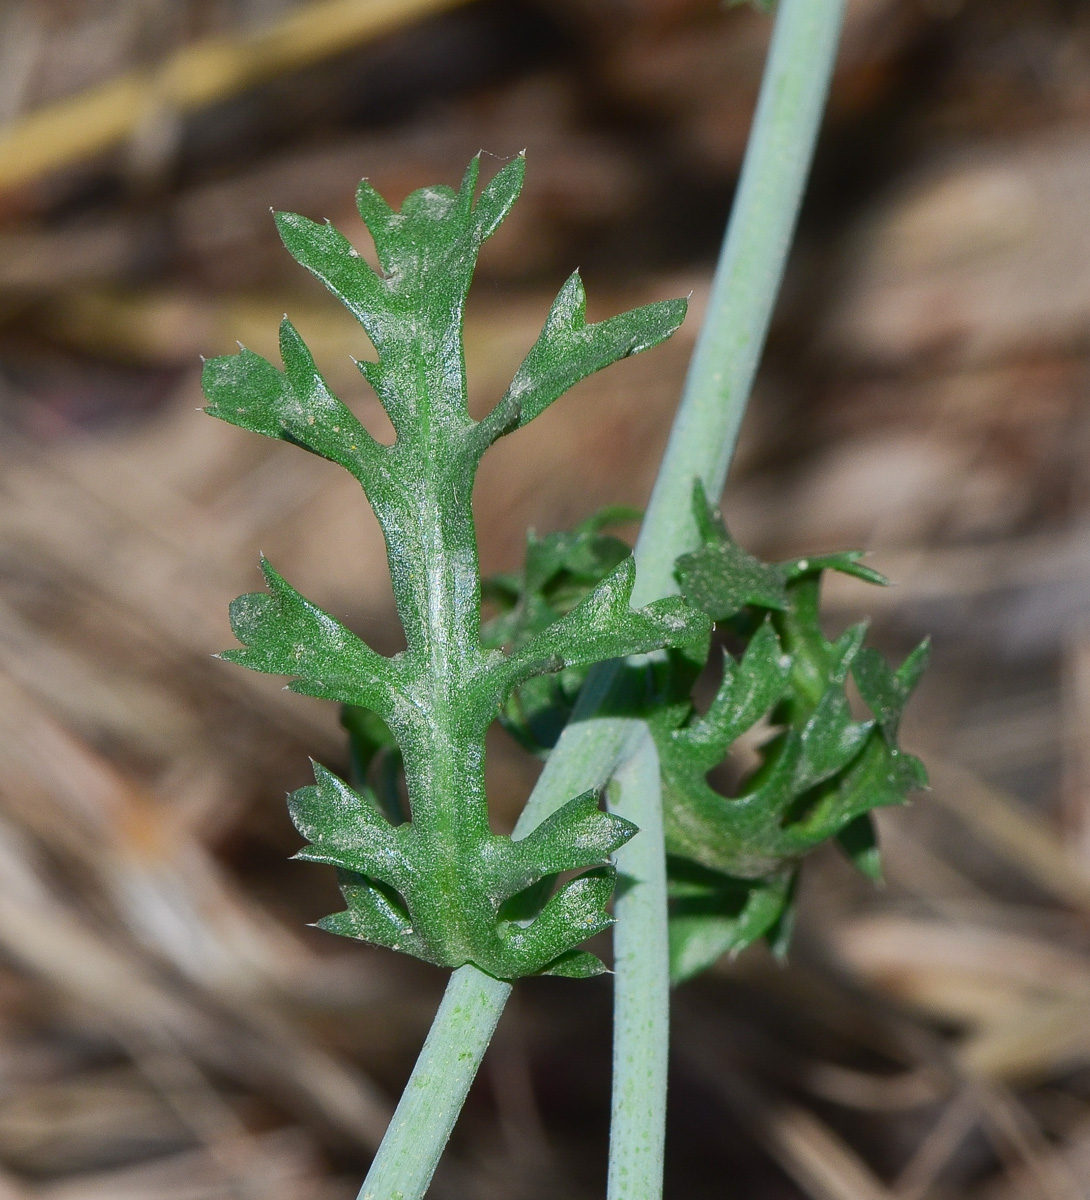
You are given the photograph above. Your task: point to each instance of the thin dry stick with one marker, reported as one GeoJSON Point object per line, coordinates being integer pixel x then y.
{"type": "Point", "coordinates": [188, 1092]}
{"type": "Point", "coordinates": [1072, 1155]}
{"type": "Point", "coordinates": [1021, 839]}
{"type": "Point", "coordinates": [1019, 1141]}
{"type": "Point", "coordinates": [919, 1175]}
{"type": "Point", "coordinates": [208, 71]}
{"type": "Point", "coordinates": [822, 1164]}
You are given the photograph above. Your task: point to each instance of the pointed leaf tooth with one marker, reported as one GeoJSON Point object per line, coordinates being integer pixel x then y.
{"type": "Point", "coordinates": [909, 672]}
{"type": "Point", "coordinates": [847, 562]}
{"type": "Point", "coordinates": [878, 778]}
{"type": "Point", "coordinates": [576, 964]}
{"type": "Point", "coordinates": [878, 685]}
{"type": "Point", "coordinates": [884, 690]}
{"type": "Point", "coordinates": [830, 740]}
{"type": "Point", "coordinates": [329, 805]}
{"type": "Point", "coordinates": [325, 425]}
{"type": "Point", "coordinates": [468, 187]}
{"type": "Point", "coordinates": [329, 255]}
{"type": "Point", "coordinates": [500, 193]}
{"type": "Point", "coordinates": [845, 649]}
{"type": "Point", "coordinates": [245, 389]}
{"type": "Point", "coordinates": [573, 914]}
{"type": "Point", "coordinates": [388, 386]}
{"type": "Point", "coordinates": [568, 313]}
{"type": "Point", "coordinates": [372, 916]}
{"type": "Point", "coordinates": [379, 218]}
{"type": "Point", "coordinates": [295, 405]}
{"type": "Point", "coordinates": [749, 689]}
{"type": "Point", "coordinates": [569, 350]}
{"type": "Point", "coordinates": [709, 522]}
{"type": "Point", "coordinates": [602, 626]}
{"type": "Point", "coordinates": [347, 831]}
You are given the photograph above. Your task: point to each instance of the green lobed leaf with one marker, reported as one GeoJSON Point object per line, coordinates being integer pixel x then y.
{"type": "Point", "coordinates": [560, 569]}
{"type": "Point", "coordinates": [821, 772]}
{"type": "Point", "coordinates": [284, 634]}
{"type": "Point", "coordinates": [345, 830]}
{"type": "Point", "coordinates": [722, 579]}
{"type": "Point", "coordinates": [432, 879]}
{"type": "Point", "coordinates": [885, 691]}
{"type": "Point", "coordinates": [568, 350]}
{"type": "Point", "coordinates": [712, 914]}
{"type": "Point", "coordinates": [749, 689]}
{"type": "Point", "coordinates": [577, 835]}
{"type": "Point", "coordinates": [603, 626]}
{"type": "Point", "coordinates": [576, 964]}
{"type": "Point", "coordinates": [374, 915]}
{"type": "Point", "coordinates": [380, 864]}
{"type": "Point", "coordinates": [329, 255]}
{"type": "Point", "coordinates": [295, 405]}
{"type": "Point", "coordinates": [734, 859]}
{"type": "Point", "coordinates": [571, 915]}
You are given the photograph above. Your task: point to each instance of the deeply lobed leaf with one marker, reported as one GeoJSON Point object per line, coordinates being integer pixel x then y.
{"type": "Point", "coordinates": [821, 774]}
{"type": "Point", "coordinates": [568, 350]}
{"type": "Point", "coordinates": [439, 884]}
{"type": "Point", "coordinates": [602, 626]}
{"type": "Point", "coordinates": [733, 860]}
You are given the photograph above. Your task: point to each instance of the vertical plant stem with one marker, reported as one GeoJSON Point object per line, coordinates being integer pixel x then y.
{"type": "Point", "coordinates": [641, 986]}
{"type": "Point", "coordinates": [747, 280]}
{"type": "Point", "coordinates": [702, 440]}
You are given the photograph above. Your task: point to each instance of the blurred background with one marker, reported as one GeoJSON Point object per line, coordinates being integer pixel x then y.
{"type": "Point", "coordinates": [169, 1027]}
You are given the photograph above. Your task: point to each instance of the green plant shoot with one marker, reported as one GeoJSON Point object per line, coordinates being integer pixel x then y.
{"type": "Point", "coordinates": [733, 861]}
{"type": "Point", "coordinates": [440, 885]}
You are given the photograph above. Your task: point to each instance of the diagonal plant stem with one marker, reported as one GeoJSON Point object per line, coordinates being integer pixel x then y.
{"type": "Point", "coordinates": [747, 281]}
{"type": "Point", "coordinates": [641, 987]}
{"type": "Point", "coordinates": [701, 444]}
{"type": "Point", "coordinates": [437, 1088]}
{"type": "Point", "coordinates": [702, 440]}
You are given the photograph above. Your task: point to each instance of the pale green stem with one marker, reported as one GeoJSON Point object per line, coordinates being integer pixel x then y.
{"type": "Point", "coordinates": [701, 443]}
{"type": "Point", "coordinates": [586, 756]}
{"type": "Point", "coordinates": [438, 1086]}
{"type": "Point", "coordinates": [641, 985]}
{"type": "Point", "coordinates": [747, 280]}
